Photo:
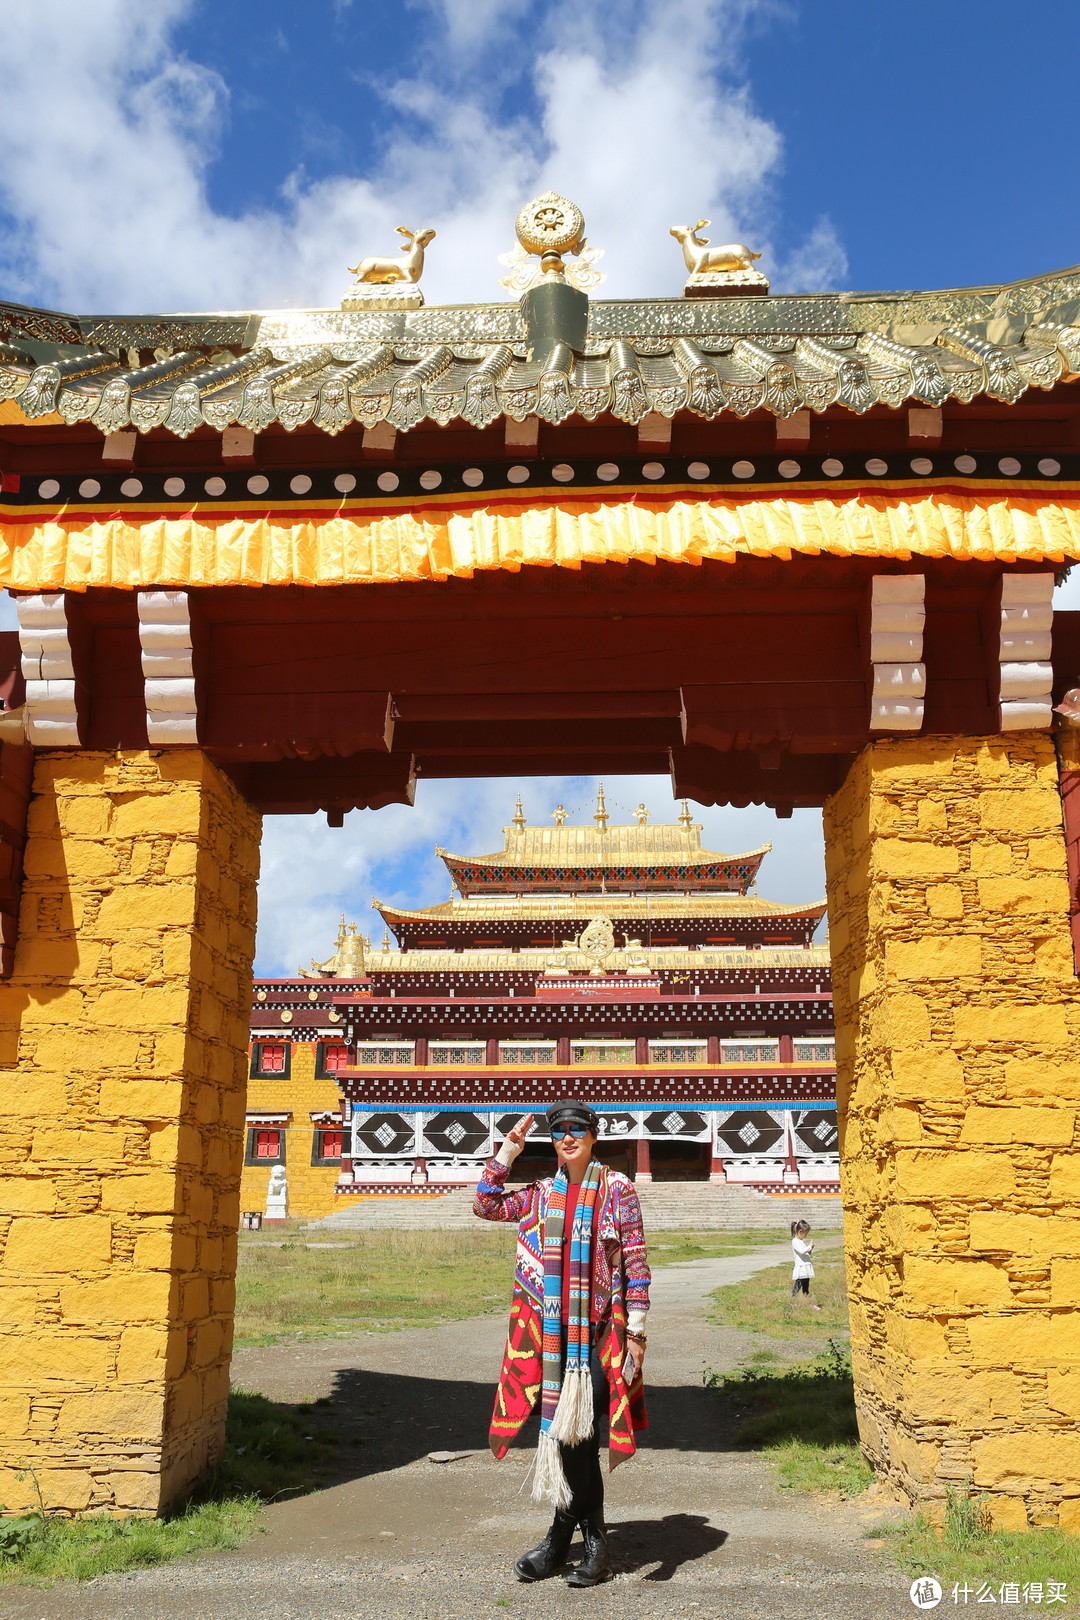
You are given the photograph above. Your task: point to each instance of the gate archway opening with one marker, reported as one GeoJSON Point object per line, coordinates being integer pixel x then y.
{"type": "Point", "coordinates": [666, 966]}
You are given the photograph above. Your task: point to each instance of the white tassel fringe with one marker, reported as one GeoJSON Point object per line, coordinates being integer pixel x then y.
{"type": "Point", "coordinates": [573, 1420]}
{"type": "Point", "coordinates": [549, 1480]}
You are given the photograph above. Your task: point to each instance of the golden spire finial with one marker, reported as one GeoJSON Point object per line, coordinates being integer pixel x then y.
{"type": "Point", "coordinates": [642, 815]}
{"type": "Point", "coordinates": [518, 818]}
{"type": "Point", "coordinates": [559, 813]}
{"type": "Point", "coordinates": [600, 815]}
{"type": "Point", "coordinates": [386, 939]}
{"type": "Point", "coordinates": [684, 815]}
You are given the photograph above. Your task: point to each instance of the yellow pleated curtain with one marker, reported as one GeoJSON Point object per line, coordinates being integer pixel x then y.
{"type": "Point", "coordinates": [362, 542]}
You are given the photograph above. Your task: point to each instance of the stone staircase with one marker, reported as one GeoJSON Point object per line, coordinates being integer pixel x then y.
{"type": "Point", "coordinates": [667, 1206]}
{"type": "Point", "coordinates": [702, 1206]}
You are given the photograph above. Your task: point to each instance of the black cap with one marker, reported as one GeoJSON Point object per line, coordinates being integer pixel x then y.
{"type": "Point", "coordinates": [575, 1113]}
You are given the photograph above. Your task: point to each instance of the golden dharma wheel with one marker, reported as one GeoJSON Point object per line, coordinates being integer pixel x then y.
{"type": "Point", "coordinates": [550, 224]}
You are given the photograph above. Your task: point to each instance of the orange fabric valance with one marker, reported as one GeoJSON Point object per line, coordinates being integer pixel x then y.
{"type": "Point", "coordinates": [360, 542]}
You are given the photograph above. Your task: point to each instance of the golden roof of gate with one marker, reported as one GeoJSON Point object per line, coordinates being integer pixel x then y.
{"type": "Point", "coordinates": [711, 356]}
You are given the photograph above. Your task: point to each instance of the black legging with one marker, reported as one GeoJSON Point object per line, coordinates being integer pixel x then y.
{"type": "Point", "coordinates": [581, 1463]}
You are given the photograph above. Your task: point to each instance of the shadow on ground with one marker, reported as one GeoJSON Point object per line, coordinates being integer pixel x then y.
{"type": "Point", "coordinates": [669, 1543]}
{"type": "Point", "coordinates": [377, 1421]}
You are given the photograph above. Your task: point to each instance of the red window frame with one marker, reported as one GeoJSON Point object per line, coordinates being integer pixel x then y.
{"type": "Point", "coordinates": [333, 1057]}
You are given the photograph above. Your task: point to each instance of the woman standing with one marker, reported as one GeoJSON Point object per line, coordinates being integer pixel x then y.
{"type": "Point", "coordinates": [577, 1330]}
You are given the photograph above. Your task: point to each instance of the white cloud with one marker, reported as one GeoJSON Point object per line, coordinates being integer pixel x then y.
{"type": "Point", "coordinates": [641, 114]}
{"type": "Point", "coordinates": [817, 264]}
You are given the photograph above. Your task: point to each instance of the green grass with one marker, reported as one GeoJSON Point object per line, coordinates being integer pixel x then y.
{"type": "Point", "coordinates": [968, 1551]}
{"type": "Point", "coordinates": [381, 1281]}
{"type": "Point", "coordinates": [37, 1551]}
{"type": "Point", "coordinates": [804, 1416]}
{"type": "Point", "coordinates": [763, 1304]}
{"type": "Point", "coordinates": [667, 1248]}
{"type": "Point", "coordinates": [271, 1450]}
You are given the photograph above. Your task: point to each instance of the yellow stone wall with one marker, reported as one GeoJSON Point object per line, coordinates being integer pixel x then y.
{"type": "Point", "coordinates": [311, 1186]}
{"type": "Point", "coordinates": [958, 1048]}
{"type": "Point", "coordinates": [123, 1036]}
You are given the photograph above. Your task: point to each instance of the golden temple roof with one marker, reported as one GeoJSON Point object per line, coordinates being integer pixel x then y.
{"type": "Point", "coordinates": [542, 908]}
{"type": "Point", "coordinates": [637, 843]}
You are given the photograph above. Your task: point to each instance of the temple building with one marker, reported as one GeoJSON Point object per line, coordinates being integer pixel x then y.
{"type": "Point", "coordinates": [622, 963]}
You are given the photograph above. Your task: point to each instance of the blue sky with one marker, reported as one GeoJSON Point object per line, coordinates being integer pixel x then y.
{"type": "Point", "coordinates": [188, 155]}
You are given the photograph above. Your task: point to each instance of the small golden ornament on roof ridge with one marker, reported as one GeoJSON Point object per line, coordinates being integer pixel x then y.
{"type": "Point", "coordinates": [600, 815]}
{"type": "Point", "coordinates": [642, 815]}
{"type": "Point", "coordinates": [718, 271]}
{"type": "Point", "coordinates": [547, 227]}
{"type": "Point", "coordinates": [518, 817]}
{"type": "Point", "coordinates": [684, 815]}
{"type": "Point", "coordinates": [559, 815]}
{"type": "Point", "coordinates": [388, 283]}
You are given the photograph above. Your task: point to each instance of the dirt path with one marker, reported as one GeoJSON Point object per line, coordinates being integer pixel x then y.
{"type": "Point", "coordinates": [697, 1528]}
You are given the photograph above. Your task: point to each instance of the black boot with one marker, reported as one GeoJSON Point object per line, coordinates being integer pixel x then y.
{"type": "Point", "coordinates": [544, 1560]}
{"type": "Point", "coordinates": [595, 1567]}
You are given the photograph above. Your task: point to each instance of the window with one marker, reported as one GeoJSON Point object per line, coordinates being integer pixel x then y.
{"type": "Point", "coordinates": [376, 1054]}
{"type": "Point", "coordinates": [456, 1052]}
{"type": "Point", "coordinates": [326, 1144]}
{"type": "Point", "coordinates": [266, 1144]}
{"type": "Point", "coordinates": [526, 1051]}
{"type": "Point", "coordinates": [819, 1049]}
{"type": "Point", "coordinates": [332, 1057]}
{"type": "Point", "coordinates": [755, 1051]}
{"type": "Point", "coordinates": [270, 1059]}
{"type": "Point", "coordinates": [603, 1052]}
{"type": "Point", "coordinates": [678, 1051]}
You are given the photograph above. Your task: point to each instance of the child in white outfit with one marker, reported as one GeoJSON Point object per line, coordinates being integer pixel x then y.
{"type": "Point", "coordinates": [803, 1268]}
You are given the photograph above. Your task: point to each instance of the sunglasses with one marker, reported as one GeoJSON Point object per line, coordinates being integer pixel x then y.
{"type": "Point", "coordinates": [559, 1131]}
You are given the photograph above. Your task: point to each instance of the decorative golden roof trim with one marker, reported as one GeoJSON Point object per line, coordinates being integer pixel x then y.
{"type": "Point", "coordinates": [533, 960]}
{"type": "Point", "coordinates": [481, 908]}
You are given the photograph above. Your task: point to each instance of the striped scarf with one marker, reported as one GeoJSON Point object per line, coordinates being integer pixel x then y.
{"type": "Point", "coordinates": [566, 1406]}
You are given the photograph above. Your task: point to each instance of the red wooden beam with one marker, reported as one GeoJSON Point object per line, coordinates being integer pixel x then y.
{"type": "Point", "coordinates": [298, 787]}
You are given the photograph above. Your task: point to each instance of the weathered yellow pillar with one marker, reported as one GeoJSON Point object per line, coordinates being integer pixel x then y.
{"type": "Point", "coordinates": [122, 1041]}
{"type": "Point", "coordinates": [958, 1024]}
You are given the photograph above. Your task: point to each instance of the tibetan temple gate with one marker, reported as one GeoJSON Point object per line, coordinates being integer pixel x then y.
{"type": "Point", "coordinates": [790, 550]}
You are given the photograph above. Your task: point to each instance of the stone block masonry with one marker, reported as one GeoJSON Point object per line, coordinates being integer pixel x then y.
{"type": "Point", "coordinates": [958, 1026]}
{"type": "Point", "coordinates": [123, 1034]}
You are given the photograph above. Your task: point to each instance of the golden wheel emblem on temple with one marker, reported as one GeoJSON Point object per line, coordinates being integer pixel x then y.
{"type": "Point", "coordinates": [597, 941]}
{"type": "Point", "coordinates": [550, 224]}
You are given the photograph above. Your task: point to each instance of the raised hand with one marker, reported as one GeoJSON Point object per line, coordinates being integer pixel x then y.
{"type": "Point", "coordinates": [519, 1133]}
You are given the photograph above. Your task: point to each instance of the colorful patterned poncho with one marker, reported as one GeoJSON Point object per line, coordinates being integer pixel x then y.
{"type": "Point", "coordinates": [620, 1283]}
